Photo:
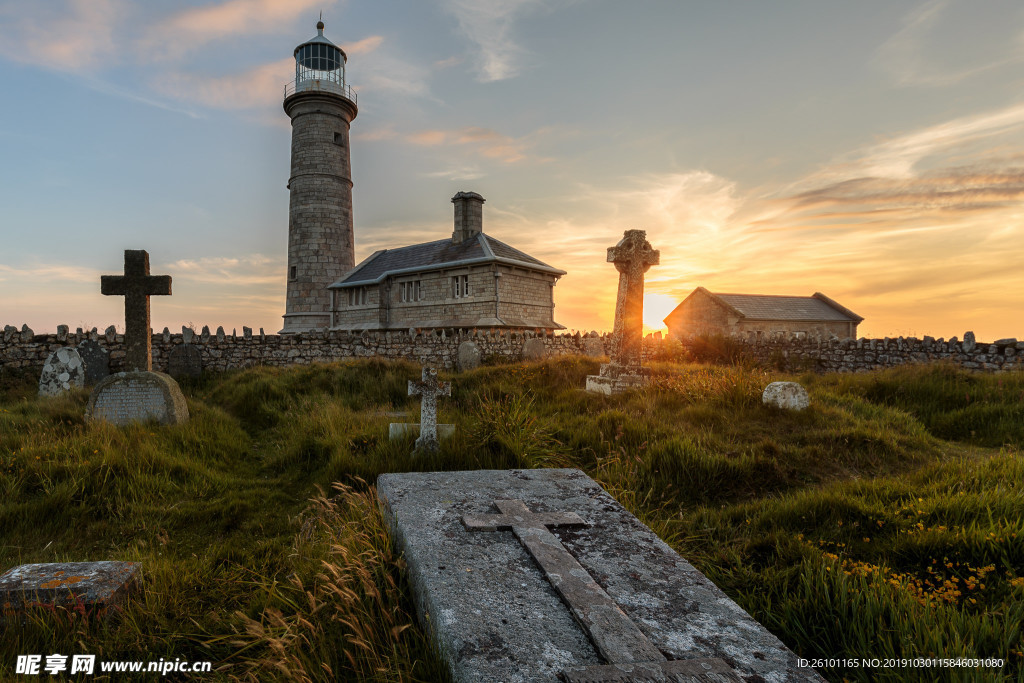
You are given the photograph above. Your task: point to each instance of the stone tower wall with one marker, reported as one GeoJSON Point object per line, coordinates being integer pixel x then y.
{"type": "Point", "coordinates": [320, 234]}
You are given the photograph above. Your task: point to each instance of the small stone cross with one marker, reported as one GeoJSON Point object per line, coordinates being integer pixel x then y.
{"type": "Point", "coordinates": [429, 388]}
{"type": "Point", "coordinates": [632, 256]}
{"type": "Point", "coordinates": [136, 286]}
{"type": "Point", "coordinates": [615, 636]}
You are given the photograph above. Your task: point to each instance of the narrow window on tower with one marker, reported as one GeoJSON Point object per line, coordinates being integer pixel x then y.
{"type": "Point", "coordinates": [291, 273]}
{"type": "Point", "coordinates": [339, 139]}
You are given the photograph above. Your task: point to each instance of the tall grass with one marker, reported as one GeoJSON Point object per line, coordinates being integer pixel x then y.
{"type": "Point", "coordinates": [883, 521]}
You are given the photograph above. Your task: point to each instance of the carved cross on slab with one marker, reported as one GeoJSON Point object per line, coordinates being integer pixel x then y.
{"type": "Point", "coordinates": [629, 653]}
{"type": "Point", "coordinates": [632, 256]}
{"type": "Point", "coordinates": [136, 286]}
{"type": "Point", "coordinates": [429, 388]}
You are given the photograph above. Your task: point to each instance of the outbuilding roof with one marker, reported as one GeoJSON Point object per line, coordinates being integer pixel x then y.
{"type": "Point", "coordinates": [768, 307]}
{"type": "Point", "coordinates": [814, 308]}
{"type": "Point", "coordinates": [440, 254]}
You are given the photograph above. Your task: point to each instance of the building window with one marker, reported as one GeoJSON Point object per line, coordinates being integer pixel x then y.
{"type": "Point", "coordinates": [460, 286]}
{"type": "Point", "coordinates": [357, 296]}
{"type": "Point", "coordinates": [339, 139]}
{"type": "Point", "coordinates": [291, 273]}
{"type": "Point", "coordinates": [410, 291]}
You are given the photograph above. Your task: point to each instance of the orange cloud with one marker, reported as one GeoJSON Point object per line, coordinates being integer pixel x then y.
{"type": "Point", "coordinates": [484, 141]}
{"type": "Point", "coordinates": [197, 26]}
{"type": "Point", "coordinates": [78, 35]}
{"type": "Point", "coordinates": [364, 46]}
{"type": "Point", "coordinates": [260, 86]}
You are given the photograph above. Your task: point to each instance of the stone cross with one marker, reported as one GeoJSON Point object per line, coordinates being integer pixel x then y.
{"type": "Point", "coordinates": [136, 286]}
{"type": "Point", "coordinates": [615, 636]}
{"type": "Point", "coordinates": [632, 256]}
{"type": "Point", "coordinates": [429, 388]}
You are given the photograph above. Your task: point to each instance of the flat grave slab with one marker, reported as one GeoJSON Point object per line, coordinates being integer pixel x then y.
{"type": "Point", "coordinates": [95, 586]}
{"type": "Point", "coordinates": [540, 575]}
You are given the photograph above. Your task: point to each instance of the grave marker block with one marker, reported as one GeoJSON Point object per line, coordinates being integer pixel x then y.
{"type": "Point", "coordinates": [96, 359]}
{"type": "Point", "coordinates": [63, 369]}
{"type": "Point", "coordinates": [567, 584]}
{"type": "Point", "coordinates": [127, 397]}
{"type": "Point", "coordinates": [93, 586]}
{"type": "Point", "coordinates": [185, 360]}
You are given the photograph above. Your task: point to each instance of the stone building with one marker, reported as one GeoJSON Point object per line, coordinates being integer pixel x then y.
{"type": "Point", "coordinates": [704, 312]}
{"type": "Point", "coordinates": [469, 280]}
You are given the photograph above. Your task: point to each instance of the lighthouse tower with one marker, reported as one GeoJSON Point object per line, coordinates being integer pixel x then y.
{"type": "Point", "coordinates": [321, 106]}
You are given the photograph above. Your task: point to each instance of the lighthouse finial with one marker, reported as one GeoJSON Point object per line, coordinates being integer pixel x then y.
{"type": "Point", "coordinates": [320, 24]}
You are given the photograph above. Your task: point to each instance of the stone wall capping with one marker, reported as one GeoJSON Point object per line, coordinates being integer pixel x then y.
{"type": "Point", "coordinates": [236, 351]}
{"type": "Point", "coordinates": [204, 336]}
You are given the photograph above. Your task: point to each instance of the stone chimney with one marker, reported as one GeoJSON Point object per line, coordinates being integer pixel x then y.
{"type": "Point", "coordinates": [469, 216]}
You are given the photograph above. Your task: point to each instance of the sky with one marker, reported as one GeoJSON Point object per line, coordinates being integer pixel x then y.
{"type": "Point", "coordinates": [872, 151]}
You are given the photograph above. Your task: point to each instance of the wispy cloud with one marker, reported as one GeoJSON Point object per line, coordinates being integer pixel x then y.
{"type": "Point", "coordinates": [248, 270]}
{"type": "Point", "coordinates": [489, 25]}
{"type": "Point", "coordinates": [485, 142]}
{"type": "Point", "coordinates": [364, 46]}
{"type": "Point", "coordinates": [900, 156]}
{"type": "Point", "coordinates": [73, 35]}
{"type": "Point", "coordinates": [189, 29]}
{"type": "Point", "coordinates": [89, 38]}
{"type": "Point", "coordinates": [932, 47]}
{"type": "Point", "coordinates": [459, 173]}
{"type": "Point", "coordinates": [257, 87]}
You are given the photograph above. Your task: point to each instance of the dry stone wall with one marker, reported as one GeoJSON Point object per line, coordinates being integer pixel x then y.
{"type": "Point", "coordinates": [22, 348]}
{"type": "Point", "coordinates": [223, 351]}
{"type": "Point", "coordinates": [858, 355]}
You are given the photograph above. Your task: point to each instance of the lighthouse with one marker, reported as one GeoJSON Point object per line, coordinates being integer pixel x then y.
{"type": "Point", "coordinates": [321, 106]}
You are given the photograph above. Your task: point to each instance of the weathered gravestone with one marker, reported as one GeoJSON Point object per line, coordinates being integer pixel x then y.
{"type": "Point", "coordinates": [786, 395]}
{"type": "Point", "coordinates": [96, 359]}
{"type": "Point", "coordinates": [62, 370]}
{"type": "Point", "coordinates": [534, 349]}
{"type": "Point", "coordinates": [567, 583]}
{"type": "Point", "coordinates": [429, 389]}
{"type": "Point", "coordinates": [593, 347]}
{"type": "Point", "coordinates": [139, 394]}
{"type": "Point", "coordinates": [96, 588]}
{"type": "Point", "coordinates": [632, 256]}
{"type": "Point", "coordinates": [128, 397]}
{"type": "Point", "coordinates": [469, 356]}
{"type": "Point", "coordinates": [184, 360]}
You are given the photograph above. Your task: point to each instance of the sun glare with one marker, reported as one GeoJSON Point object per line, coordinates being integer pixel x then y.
{"type": "Point", "coordinates": [656, 307]}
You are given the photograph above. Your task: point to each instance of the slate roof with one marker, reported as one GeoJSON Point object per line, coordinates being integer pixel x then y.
{"type": "Point", "coordinates": [767, 307]}
{"type": "Point", "coordinates": [815, 308]}
{"type": "Point", "coordinates": [439, 254]}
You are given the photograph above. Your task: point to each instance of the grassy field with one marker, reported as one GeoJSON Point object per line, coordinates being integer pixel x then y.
{"type": "Point", "coordinates": [885, 521]}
